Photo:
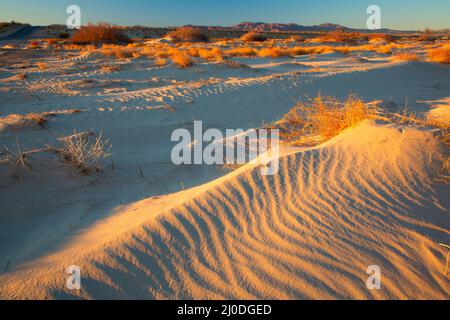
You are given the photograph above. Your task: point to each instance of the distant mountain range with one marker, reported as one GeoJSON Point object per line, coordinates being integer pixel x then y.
{"type": "Point", "coordinates": [293, 27]}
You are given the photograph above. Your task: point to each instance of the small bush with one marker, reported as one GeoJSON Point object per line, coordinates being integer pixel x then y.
{"type": "Point", "coordinates": [181, 59]}
{"type": "Point", "coordinates": [85, 154]}
{"type": "Point", "coordinates": [100, 34]}
{"type": "Point", "coordinates": [273, 52]}
{"type": "Point", "coordinates": [322, 118]}
{"type": "Point", "coordinates": [253, 37]}
{"type": "Point", "coordinates": [406, 57]}
{"type": "Point", "coordinates": [427, 38]}
{"type": "Point", "coordinates": [214, 54]}
{"type": "Point", "coordinates": [241, 52]}
{"type": "Point", "coordinates": [441, 55]}
{"type": "Point", "coordinates": [340, 36]}
{"type": "Point", "coordinates": [159, 62]}
{"type": "Point", "coordinates": [188, 34]}
{"type": "Point", "coordinates": [380, 37]}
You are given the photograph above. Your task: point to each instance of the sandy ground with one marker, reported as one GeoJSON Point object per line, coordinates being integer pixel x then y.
{"type": "Point", "coordinates": [366, 197]}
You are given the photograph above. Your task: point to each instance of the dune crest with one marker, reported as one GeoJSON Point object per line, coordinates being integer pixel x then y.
{"type": "Point", "coordinates": [366, 197]}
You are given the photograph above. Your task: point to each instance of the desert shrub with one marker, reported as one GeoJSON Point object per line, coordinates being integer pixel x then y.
{"type": "Point", "coordinates": [193, 52]}
{"type": "Point", "coordinates": [387, 49]}
{"type": "Point", "coordinates": [188, 34]}
{"type": "Point", "coordinates": [181, 59]}
{"type": "Point", "coordinates": [441, 54]}
{"type": "Point", "coordinates": [298, 51]}
{"type": "Point", "coordinates": [340, 36]}
{"type": "Point", "coordinates": [99, 34]}
{"type": "Point", "coordinates": [159, 62]}
{"type": "Point", "coordinates": [322, 118]}
{"type": "Point", "coordinates": [380, 37]}
{"type": "Point", "coordinates": [214, 54]}
{"type": "Point", "coordinates": [119, 52]}
{"type": "Point", "coordinates": [82, 152]}
{"type": "Point", "coordinates": [241, 52]}
{"type": "Point", "coordinates": [406, 57]}
{"type": "Point", "coordinates": [273, 52]}
{"type": "Point", "coordinates": [427, 38]}
{"type": "Point", "coordinates": [253, 37]}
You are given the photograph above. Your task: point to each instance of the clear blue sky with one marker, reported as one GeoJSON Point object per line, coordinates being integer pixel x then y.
{"type": "Point", "coordinates": [396, 14]}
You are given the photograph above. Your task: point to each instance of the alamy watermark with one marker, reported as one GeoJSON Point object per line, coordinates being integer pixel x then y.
{"type": "Point", "coordinates": [374, 280]}
{"type": "Point", "coordinates": [73, 282]}
{"type": "Point", "coordinates": [236, 146]}
{"type": "Point", "coordinates": [374, 20]}
{"type": "Point", "coordinates": [74, 19]}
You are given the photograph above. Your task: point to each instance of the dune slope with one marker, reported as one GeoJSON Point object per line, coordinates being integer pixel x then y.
{"type": "Point", "coordinates": [366, 197]}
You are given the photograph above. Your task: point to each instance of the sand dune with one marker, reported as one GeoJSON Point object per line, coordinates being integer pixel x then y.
{"type": "Point", "coordinates": [366, 197]}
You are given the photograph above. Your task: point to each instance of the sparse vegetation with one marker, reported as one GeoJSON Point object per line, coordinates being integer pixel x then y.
{"type": "Point", "coordinates": [380, 37]}
{"type": "Point", "coordinates": [100, 34]}
{"type": "Point", "coordinates": [254, 37]}
{"type": "Point", "coordinates": [406, 57]}
{"type": "Point", "coordinates": [188, 34]}
{"type": "Point", "coordinates": [81, 152]}
{"type": "Point", "coordinates": [441, 54]}
{"type": "Point", "coordinates": [181, 59]}
{"type": "Point", "coordinates": [340, 36]}
{"type": "Point", "coordinates": [322, 118]}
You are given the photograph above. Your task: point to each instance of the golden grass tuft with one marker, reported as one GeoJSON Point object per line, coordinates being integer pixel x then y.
{"type": "Point", "coordinates": [273, 52]}
{"type": "Point", "coordinates": [254, 37]}
{"type": "Point", "coordinates": [188, 34]}
{"type": "Point", "coordinates": [441, 54]}
{"type": "Point", "coordinates": [380, 37]}
{"type": "Point", "coordinates": [340, 36]}
{"type": "Point", "coordinates": [406, 57]}
{"type": "Point", "coordinates": [214, 54]}
{"type": "Point", "coordinates": [160, 62]}
{"type": "Point", "coordinates": [81, 152]}
{"type": "Point", "coordinates": [322, 118]}
{"type": "Point", "coordinates": [241, 52]}
{"type": "Point", "coordinates": [181, 59]}
{"type": "Point", "coordinates": [99, 34]}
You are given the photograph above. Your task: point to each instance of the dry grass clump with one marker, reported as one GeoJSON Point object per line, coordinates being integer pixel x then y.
{"type": "Point", "coordinates": [77, 150]}
{"type": "Point", "coordinates": [188, 34]}
{"type": "Point", "coordinates": [83, 153]}
{"type": "Point", "coordinates": [322, 118]}
{"type": "Point", "coordinates": [441, 55]}
{"type": "Point", "coordinates": [99, 34]}
{"type": "Point", "coordinates": [427, 38]}
{"type": "Point", "coordinates": [160, 62]}
{"type": "Point", "coordinates": [340, 36]}
{"type": "Point", "coordinates": [181, 59]}
{"type": "Point", "coordinates": [254, 37]}
{"type": "Point", "coordinates": [380, 37]}
{"type": "Point", "coordinates": [273, 52]}
{"type": "Point", "coordinates": [119, 52]}
{"type": "Point", "coordinates": [406, 57]}
{"type": "Point", "coordinates": [241, 52]}
{"type": "Point", "coordinates": [214, 54]}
